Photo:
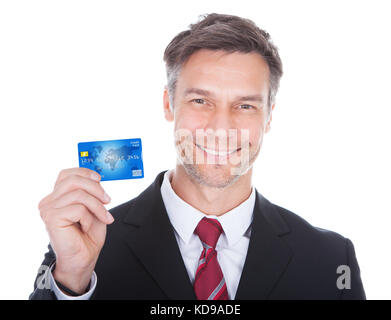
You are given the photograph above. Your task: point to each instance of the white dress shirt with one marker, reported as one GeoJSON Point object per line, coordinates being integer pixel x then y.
{"type": "Point", "coordinates": [62, 296]}
{"type": "Point", "coordinates": [233, 242]}
{"type": "Point", "coordinates": [231, 247]}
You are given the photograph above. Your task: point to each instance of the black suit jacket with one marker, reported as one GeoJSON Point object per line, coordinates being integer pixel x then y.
{"type": "Point", "coordinates": [287, 257]}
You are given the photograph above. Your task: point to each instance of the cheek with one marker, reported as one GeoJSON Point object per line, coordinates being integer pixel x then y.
{"type": "Point", "coordinates": [185, 119]}
{"type": "Point", "coordinates": [255, 132]}
{"type": "Point", "coordinates": [257, 138]}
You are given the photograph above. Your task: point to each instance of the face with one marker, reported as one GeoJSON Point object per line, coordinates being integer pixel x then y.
{"type": "Point", "coordinates": [220, 113]}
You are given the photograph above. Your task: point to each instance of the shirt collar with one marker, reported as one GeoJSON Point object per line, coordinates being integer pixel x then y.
{"type": "Point", "coordinates": [185, 217]}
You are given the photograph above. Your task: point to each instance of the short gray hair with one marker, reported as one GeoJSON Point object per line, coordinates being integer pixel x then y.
{"type": "Point", "coordinates": [222, 32]}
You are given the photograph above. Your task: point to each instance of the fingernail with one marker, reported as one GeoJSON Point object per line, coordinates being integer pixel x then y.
{"type": "Point", "coordinates": [109, 217]}
{"type": "Point", "coordinates": [95, 176]}
{"type": "Point", "coordinates": [106, 197]}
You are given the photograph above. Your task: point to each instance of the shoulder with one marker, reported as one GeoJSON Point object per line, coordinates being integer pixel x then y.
{"type": "Point", "coordinates": [317, 255]}
{"type": "Point", "coordinates": [306, 236]}
{"type": "Point", "coordinates": [299, 224]}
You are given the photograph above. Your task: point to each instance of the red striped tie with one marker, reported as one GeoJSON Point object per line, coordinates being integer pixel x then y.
{"type": "Point", "coordinates": [209, 283]}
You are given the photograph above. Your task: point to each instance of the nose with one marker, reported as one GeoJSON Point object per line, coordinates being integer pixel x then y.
{"type": "Point", "coordinates": [220, 125]}
{"type": "Point", "coordinates": [221, 119]}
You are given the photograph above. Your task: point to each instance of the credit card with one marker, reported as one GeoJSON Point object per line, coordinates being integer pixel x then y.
{"type": "Point", "coordinates": [113, 159]}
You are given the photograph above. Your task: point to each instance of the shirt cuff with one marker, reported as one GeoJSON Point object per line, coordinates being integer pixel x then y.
{"type": "Point", "coordinates": [62, 296]}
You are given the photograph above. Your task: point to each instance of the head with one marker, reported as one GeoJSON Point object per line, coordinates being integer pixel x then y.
{"type": "Point", "coordinates": [222, 79]}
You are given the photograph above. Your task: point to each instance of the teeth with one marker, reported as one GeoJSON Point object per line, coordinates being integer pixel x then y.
{"type": "Point", "coordinates": [216, 153]}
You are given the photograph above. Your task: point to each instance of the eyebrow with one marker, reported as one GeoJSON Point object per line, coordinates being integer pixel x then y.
{"type": "Point", "coordinates": [252, 97]}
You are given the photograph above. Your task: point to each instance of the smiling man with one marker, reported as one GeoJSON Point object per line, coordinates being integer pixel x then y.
{"type": "Point", "coordinates": [200, 230]}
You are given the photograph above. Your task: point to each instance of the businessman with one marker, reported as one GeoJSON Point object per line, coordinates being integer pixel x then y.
{"type": "Point", "coordinates": [201, 230]}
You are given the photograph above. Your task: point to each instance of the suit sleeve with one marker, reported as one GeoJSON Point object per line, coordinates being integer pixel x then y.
{"type": "Point", "coordinates": [45, 287]}
{"type": "Point", "coordinates": [42, 285]}
{"type": "Point", "coordinates": [356, 291]}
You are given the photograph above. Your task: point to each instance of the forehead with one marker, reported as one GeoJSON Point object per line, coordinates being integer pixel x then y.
{"type": "Point", "coordinates": [221, 70]}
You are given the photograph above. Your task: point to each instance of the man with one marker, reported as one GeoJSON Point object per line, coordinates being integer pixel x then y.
{"type": "Point", "coordinates": [201, 230]}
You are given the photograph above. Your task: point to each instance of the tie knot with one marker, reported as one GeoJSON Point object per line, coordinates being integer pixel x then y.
{"type": "Point", "coordinates": [209, 230]}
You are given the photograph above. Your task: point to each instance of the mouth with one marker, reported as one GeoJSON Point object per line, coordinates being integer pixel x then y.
{"type": "Point", "coordinates": [218, 153]}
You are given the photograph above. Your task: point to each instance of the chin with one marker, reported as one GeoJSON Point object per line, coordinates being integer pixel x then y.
{"type": "Point", "coordinates": [212, 175]}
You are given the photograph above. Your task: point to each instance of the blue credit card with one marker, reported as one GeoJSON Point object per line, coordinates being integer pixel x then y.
{"type": "Point", "coordinates": [113, 159]}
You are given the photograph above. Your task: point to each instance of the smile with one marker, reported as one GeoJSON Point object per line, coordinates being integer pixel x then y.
{"type": "Point", "coordinates": [217, 153]}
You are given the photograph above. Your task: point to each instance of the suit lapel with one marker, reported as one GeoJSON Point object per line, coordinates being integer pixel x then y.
{"type": "Point", "coordinates": [149, 234]}
{"type": "Point", "coordinates": [268, 255]}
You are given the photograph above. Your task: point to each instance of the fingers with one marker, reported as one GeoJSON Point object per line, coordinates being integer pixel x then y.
{"type": "Point", "coordinates": [44, 201]}
{"type": "Point", "coordinates": [74, 182]}
{"type": "Point", "coordinates": [73, 178]}
{"type": "Point", "coordinates": [67, 216]}
{"type": "Point", "coordinates": [77, 197]}
{"type": "Point", "coordinates": [82, 172]}
{"type": "Point", "coordinates": [93, 205]}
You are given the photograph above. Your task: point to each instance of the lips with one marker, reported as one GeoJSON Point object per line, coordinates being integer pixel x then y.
{"type": "Point", "coordinates": [217, 153]}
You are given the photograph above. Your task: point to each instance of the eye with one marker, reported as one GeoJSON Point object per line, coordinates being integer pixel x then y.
{"type": "Point", "coordinates": [246, 106]}
{"type": "Point", "coordinates": [198, 101]}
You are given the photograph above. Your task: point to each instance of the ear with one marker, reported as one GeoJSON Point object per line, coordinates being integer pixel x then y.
{"type": "Point", "coordinates": [267, 128]}
{"type": "Point", "coordinates": [168, 110]}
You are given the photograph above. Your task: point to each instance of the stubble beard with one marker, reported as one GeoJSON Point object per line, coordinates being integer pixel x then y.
{"type": "Point", "coordinates": [220, 179]}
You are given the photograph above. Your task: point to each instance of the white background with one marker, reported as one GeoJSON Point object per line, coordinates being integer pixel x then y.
{"type": "Point", "coordinates": [73, 71]}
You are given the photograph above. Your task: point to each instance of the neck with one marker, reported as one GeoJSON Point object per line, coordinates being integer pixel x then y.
{"type": "Point", "coordinates": [210, 200]}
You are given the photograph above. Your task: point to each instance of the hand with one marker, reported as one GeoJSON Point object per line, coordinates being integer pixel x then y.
{"type": "Point", "coordinates": [76, 219]}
